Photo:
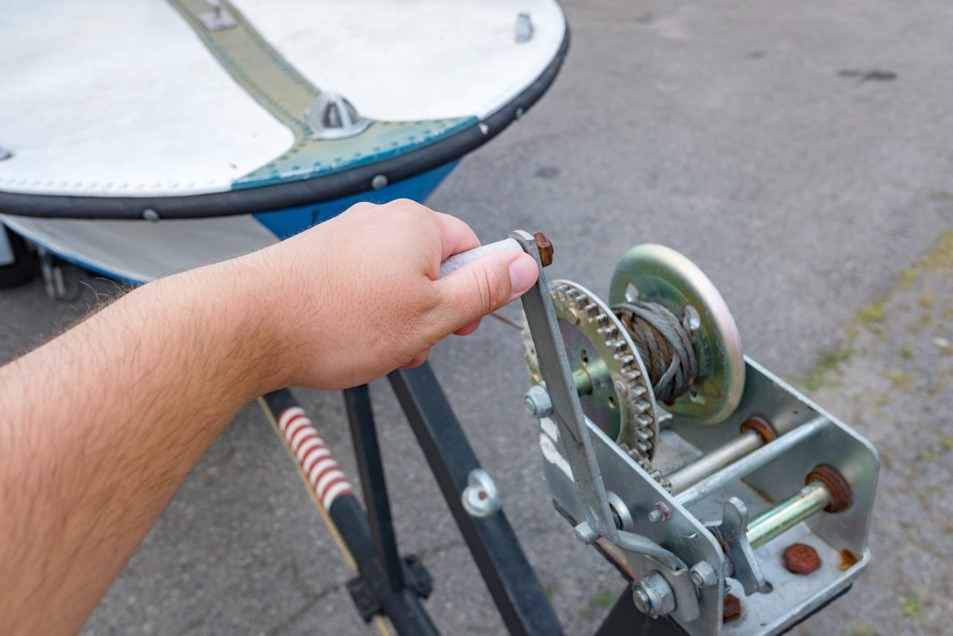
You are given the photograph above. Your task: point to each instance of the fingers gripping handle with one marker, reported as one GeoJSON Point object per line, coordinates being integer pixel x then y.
{"type": "Point", "coordinates": [457, 261]}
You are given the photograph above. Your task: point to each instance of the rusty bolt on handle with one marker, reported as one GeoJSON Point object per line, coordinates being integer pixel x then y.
{"type": "Point", "coordinates": [800, 558]}
{"type": "Point", "coordinates": [545, 248]}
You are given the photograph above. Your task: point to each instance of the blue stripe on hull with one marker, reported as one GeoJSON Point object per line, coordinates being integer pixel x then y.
{"type": "Point", "coordinates": [291, 221]}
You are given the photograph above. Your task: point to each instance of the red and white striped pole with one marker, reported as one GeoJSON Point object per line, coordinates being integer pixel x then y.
{"type": "Point", "coordinates": [313, 456]}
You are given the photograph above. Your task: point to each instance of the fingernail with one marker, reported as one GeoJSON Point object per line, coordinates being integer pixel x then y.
{"type": "Point", "coordinates": [523, 274]}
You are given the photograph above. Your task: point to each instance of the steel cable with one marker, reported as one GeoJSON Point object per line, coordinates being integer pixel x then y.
{"type": "Point", "coordinates": [664, 346]}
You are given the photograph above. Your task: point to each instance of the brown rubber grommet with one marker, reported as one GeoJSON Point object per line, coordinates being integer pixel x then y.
{"type": "Point", "coordinates": [761, 426]}
{"type": "Point", "coordinates": [836, 485]}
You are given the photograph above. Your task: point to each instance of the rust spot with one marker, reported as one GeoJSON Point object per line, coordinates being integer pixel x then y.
{"type": "Point", "coordinates": [847, 560]}
{"type": "Point", "coordinates": [545, 248]}
{"type": "Point", "coordinates": [732, 608]}
{"type": "Point", "coordinates": [800, 558]}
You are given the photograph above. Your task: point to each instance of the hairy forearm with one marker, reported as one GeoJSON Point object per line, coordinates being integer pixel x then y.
{"type": "Point", "coordinates": [99, 427]}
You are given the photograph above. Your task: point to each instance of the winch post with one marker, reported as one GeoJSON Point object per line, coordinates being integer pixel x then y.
{"type": "Point", "coordinates": [756, 431]}
{"type": "Point", "coordinates": [753, 461]}
{"type": "Point", "coordinates": [807, 502]}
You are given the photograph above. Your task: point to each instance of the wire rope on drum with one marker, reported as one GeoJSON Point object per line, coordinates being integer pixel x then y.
{"type": "Point", "coordinates": [664, 345]}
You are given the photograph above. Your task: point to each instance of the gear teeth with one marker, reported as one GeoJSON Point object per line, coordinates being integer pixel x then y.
{"type": "Point", "coordinates": [576, 305]}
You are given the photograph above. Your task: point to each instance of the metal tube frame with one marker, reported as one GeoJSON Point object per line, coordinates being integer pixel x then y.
{"type": "Point", "coordinates": [373, 482]}
{"type": "Point", "coordinates": [509, 578]}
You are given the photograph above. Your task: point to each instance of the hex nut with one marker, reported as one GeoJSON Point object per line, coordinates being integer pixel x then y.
{"type": "Point", "coordinates": [732, 608]}
{"type": "Point", "coordinates": [800, 558]}
{"type": "Point", "coordinates": [703, 574]}
{"type": "Point", "coordinates": [545, 248]}
{"type": "Point", "coordinates": [537, 401]}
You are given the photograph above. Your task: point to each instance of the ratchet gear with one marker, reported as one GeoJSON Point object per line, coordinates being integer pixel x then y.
{"type": "Point", "coordinates": [612, 383]}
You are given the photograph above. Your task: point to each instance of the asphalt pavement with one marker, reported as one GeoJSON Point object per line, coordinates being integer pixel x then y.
{"type": "Point", "coordinates": [800, 153]}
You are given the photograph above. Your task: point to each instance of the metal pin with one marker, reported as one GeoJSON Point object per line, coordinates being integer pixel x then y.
{"type": "Point", "coordinates": [810, 500]}
{"type": "Point", "coordinates": [755, 433]}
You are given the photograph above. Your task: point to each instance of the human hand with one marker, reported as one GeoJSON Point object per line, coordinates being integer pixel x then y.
{"type": "Point", "coordinates": [358, 296]}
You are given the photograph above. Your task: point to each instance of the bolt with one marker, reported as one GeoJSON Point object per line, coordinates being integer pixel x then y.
{"type": "Point", "coordinates": [150, 215]}
{"type": "Point", "coordinates": [379, 181]}
{"type": "Point", "coordinates": [660, 513]}
{"type": "Point", "coordinates": [537, 401]}
{"type": "Point", "coordinates": [585, 533]}
{"type": "Point", "coordinates": [481, 497]}
{"type": "Point", "coordinates": [690, 319]}
{"type": "Point", "coordinates": [731, 609]}
{"type": "Point", "coordinates": [653, 596]}
{"type": "Point", "coordinates": [641, 600]}
{"type": "Point", "coordinates": [524, 27]}
{"type": "Point", "coordinates": [800, 558]}
{"type": "Point", "coordinates": [703, 574]}
{"type": "Point", "coordinates": [545, 248]}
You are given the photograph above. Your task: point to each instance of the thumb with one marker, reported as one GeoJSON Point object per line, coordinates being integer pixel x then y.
{"type": "Point", "coordinates": [485, 285]}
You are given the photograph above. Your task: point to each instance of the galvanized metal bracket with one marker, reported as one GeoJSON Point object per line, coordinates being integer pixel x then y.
{"type": "Point", "coordinates": [732, 532]}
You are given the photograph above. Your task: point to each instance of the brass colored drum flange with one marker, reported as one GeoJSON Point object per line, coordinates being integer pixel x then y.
{"type": "Point", "coordinates": [661, 275]}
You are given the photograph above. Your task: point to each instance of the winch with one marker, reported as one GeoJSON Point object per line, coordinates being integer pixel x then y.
{"type": "Point", "coordinates": [732, 503]}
